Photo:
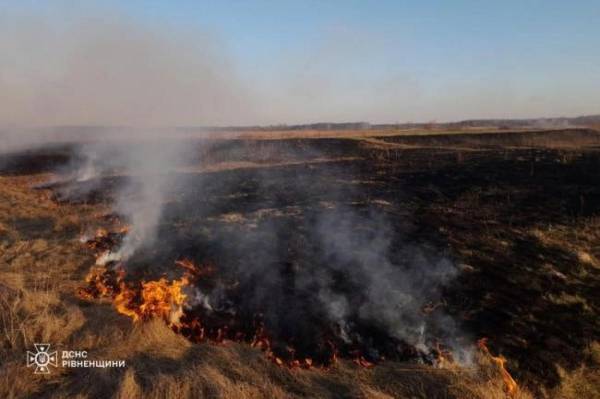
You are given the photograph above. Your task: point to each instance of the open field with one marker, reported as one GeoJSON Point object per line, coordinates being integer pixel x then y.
{"type": "Point", "coordinates": [515, 215]}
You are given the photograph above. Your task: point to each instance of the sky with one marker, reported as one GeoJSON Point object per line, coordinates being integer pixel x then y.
{"type": "Point", "coordinates": [182, 63]}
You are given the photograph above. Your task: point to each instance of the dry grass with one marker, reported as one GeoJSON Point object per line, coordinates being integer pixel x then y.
{"type": "Point", "coordinates": [584, 382]}
{"type": "Point", "coordinates": [350, 133]}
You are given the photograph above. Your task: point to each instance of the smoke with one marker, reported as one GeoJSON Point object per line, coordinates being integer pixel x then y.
{"type": "Point", "coordinates": [342, 272]}
{"type": "Point", "coordinates": [95, 66]}
{"type": "Point", "coordinates": [101, 68]}
{"type": "Point", "coordinates": [152, 167]}
{"type": "Point", "coordinates": [134, 175]}
{"type": "Point", "coordinates": [393, 280]}
{"type": "Point", "coordinates": [394, 294]}
{"type": "Point", "coordinates": [308, 253]}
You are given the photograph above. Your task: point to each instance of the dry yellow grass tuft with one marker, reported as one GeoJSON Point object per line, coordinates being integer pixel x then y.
{"type": "Point", "coordinates": [583, 382]}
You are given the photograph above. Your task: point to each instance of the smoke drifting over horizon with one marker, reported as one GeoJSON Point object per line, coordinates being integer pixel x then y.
{"type": "Point", "coordinates": [107, 68]}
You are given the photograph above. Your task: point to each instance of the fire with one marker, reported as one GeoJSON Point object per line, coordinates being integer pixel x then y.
{"type": "Point", "coordinates": [193, 270]}
{"type": "Point", "coordinates": [443, 356]}
{"type": "Point", "coordinates": [101, 283]}
{"type": "Point", "coordinates": [166, 300]}
{"type": "Point", "coordinates": [158, 298]}
{"type": "Point", "coordinates": [500, 362]}
{"type": "Point", "coordinates": [175, 302]}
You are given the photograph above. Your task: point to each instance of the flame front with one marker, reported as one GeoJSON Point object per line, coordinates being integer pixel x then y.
{"type": "Point", "coordinates": [500, 362]}
{"type": "Point", "coordinates": [198, 321]}
{"type": "Point", "coordinates": [158, 298]}
{"type": "Point", "coordinates": [166, 299]}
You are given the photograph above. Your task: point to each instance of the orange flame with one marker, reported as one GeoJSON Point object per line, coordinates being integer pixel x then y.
{"type": "Point", "coordinates": [166, 299]}
{"type": "Point", "coordinates": [500, 362]}
{"type": "Point", "coordinates": [443, 356]}
{"type": "Point", "coordinates": [159, 298]}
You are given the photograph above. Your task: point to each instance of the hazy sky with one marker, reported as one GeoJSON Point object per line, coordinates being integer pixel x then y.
{"type": "Point", "coordinates": [265, 62]}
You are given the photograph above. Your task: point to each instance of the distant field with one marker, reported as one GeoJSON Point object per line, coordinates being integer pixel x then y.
{"type": "Point", "coordinates": [290, 134]}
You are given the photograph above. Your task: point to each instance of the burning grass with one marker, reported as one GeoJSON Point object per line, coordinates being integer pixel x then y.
{"type": "Point", "coordinates": [167, 300]}
{"type": "Point", "coordinates": [205, 304]}
{"type": "Point", "coordinates": [500, 362]}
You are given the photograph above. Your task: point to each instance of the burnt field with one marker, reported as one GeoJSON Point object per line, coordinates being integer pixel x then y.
{"type": "Point", "coordinates": [361, 266]}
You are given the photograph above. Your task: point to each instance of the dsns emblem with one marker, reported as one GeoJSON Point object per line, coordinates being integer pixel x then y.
{"type": "Point", "coordinates": [41, 358]}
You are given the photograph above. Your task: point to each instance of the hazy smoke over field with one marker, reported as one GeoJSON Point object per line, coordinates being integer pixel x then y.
{"type": "Point", "coordinates": [92, 66]}
{"type": "Point", "coordinates": [109, 70]}
{"type": "Point", "coordinates": [103, 69]}
{"type": "Point", "coordinates": [151, 166]}
{"type": "Point", "coordinates": [392, 295]}
{"type": "Point", "coordinates": [143, 169]}
{"type": "Point", "coordinates": [314, 269]}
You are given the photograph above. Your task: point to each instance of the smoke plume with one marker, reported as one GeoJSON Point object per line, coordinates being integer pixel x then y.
{"type": "Point", "coordinates": [107, 69]}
